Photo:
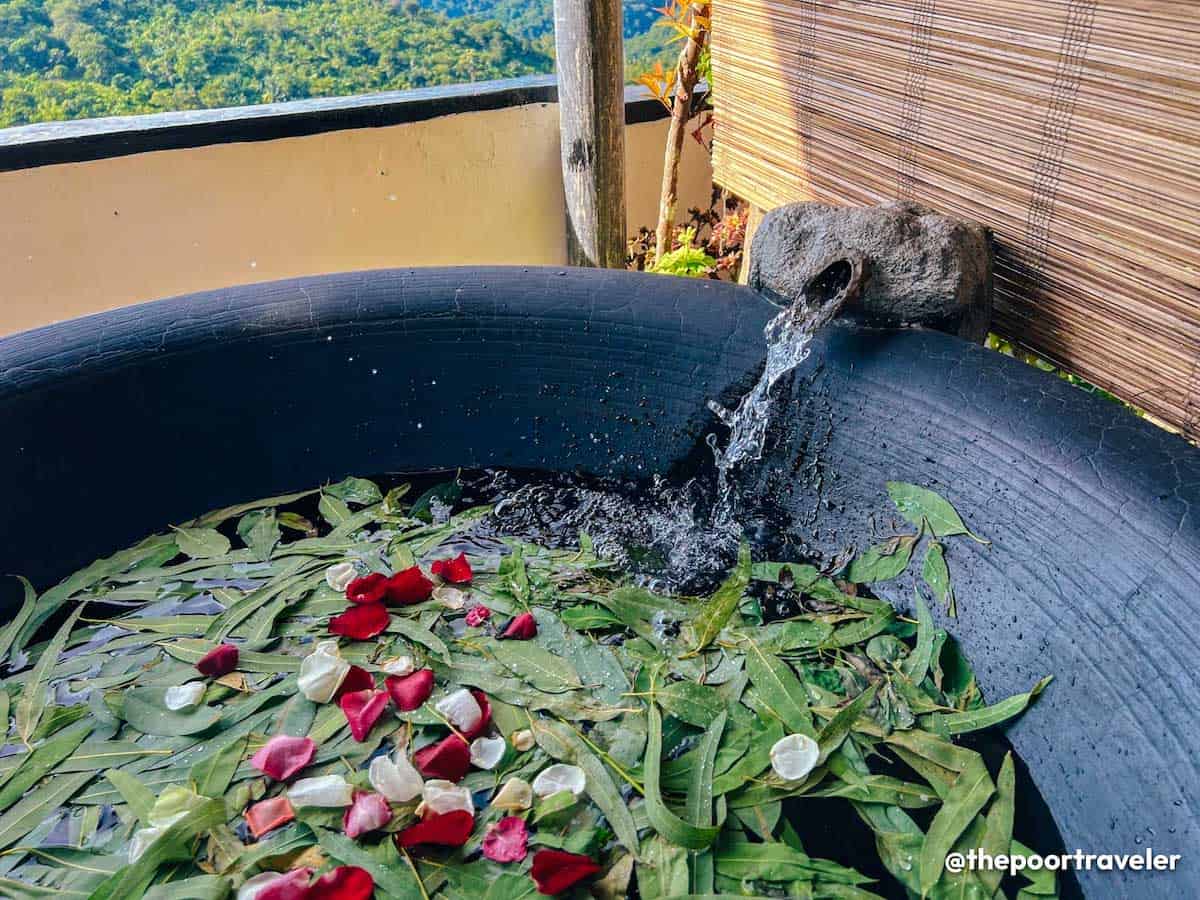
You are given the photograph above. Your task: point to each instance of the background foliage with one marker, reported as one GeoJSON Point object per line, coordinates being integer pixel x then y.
{"type": "Point", "coordinates": [68, 59]}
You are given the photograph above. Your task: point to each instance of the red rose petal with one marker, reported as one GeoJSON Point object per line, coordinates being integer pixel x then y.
{"type": "Point", "coordinates": [369, 812]}
{"type": "Point", "coordinates": [477, 615]}
{"type": "Point", "coordinates": [408, 587]}
{"type": "Point", "coordinates": [368, 589]}
{"type": "Point", "coordinates": [449, 758]}
{"type": "Point", "coordinates": [361, 621]}
{"type": "Point", "coordinates": [362, 710]}
{"type": "Point", "coordinates": [446, 830]}
{"type": "Point", "coordinates": [357, 679]}
{"type": "Point", "coordinates": [522, 628]}
{"type": "Point", "coordinates": [409, 691]}
{"type": "Point", "coordinates": [555, 870]}
{"type": "Point", "coordinates": [485, 720]}
{"type": "Point", "coordinates": [268, 815]}
{"type": "Point", "coordinates": [292, 886]}
{"type": "Point", "coordinates": [283, 756]}
{"type": "Point", "coordinates": [455, 571]}
{"type": "Point", "coordinates": [218, 661]}
{"type": "Point", "coordinates": [343, 883]}
{"type": "Point", "coordinates": [507, 840]}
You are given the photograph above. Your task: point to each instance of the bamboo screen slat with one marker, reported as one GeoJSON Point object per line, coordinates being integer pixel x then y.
{"type": "Point", "coordinates": [1071, 127]}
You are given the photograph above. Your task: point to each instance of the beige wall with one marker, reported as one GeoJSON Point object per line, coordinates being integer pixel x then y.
{"type": "Point", "coordinates": [474, 188]}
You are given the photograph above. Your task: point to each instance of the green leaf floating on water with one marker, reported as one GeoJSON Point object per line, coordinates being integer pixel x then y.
{"type": "Point", "coordinates": [201, 543]}
{"type": "Point", "coordinates": [720, 607]}
{"type": "Point", "coordinates": [669, 705]}
{"type": "Point", "coordinates": [145, 709]}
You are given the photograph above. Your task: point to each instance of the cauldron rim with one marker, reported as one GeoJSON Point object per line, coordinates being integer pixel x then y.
{"type": "Point", "coordinates": [243, 391]}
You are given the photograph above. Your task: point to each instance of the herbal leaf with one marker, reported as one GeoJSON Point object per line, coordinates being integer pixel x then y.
{"type": "Point", "coordinates": [33, 696]}
{"type": "Point", "coordinates": [14, 627]}
{"type": "Point", "coordinates": [201, 543]}
{"type": "Point", "coordinates": [937, 576]}
{"type": "Point", "coordinates": [718, 609]}
{"type": "Point", "coordinates": [919, 504]}
{"type": "Point", "coordinates": [883, 562]}
{"type": "Point", "coordinates": [662, 820]}
{"type": "Point", "coordinates": [536, 665]}
{"type": "Point", "coordinates": [213, 774]}
{"type": "Point", "coordinates": [778, 685]}
{"type": "Point", "coordinates": [146, 710]}
{"type": "Point", "coordinates": [990, 716]}
{"type": "Point", "coordinates": [970, 791]}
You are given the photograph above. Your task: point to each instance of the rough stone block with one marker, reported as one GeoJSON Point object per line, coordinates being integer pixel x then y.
{"type": "Point", "coordinates": [919, 267]}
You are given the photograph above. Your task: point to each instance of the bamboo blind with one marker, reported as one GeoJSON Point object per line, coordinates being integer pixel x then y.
{"type": "Point", "coordinates": [1070, 127]}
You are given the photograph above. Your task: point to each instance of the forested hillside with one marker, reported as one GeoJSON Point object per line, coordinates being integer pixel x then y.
{"type": "Point", "coordinates": [68, 59]}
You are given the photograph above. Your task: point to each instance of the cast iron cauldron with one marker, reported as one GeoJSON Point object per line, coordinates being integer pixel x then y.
{"type": "Point", "coordinates": [118, 423]}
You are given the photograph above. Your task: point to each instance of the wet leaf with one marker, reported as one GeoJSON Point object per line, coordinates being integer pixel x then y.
{"type": "Point", "coordinates": [536, 665]}
{"type": "Point", "coordinates": [883, 562]}
{"type": "Point", "coordinates": [213, 774]}
{"type": "Point", "coordinates": [8, 635]}
{"type": "Point", "coordinates": [259, 530]}
{"type": "Point", "coordinates": [662, 820]}
{"type": "Point", "coordinates": [970, 791]}
{"type": "Point", "coordinates": [132, 880]}
{"type": "Point", "coordinates": [146, 710]}
{"type": "Point", "coordinates": [32, 703]}
{"type": "Point", "coordinates": [917, 503]}
{"type": "Point", "coordinates": [720, 607]}
{"type": "Point", "coordinates": [990, 716]}
{"type": "Point", "coordinates": [355, 490]}
{"type": "Point", "coordinates": [779, 687]}
{"type": "Point", "coordinates": [693, 703]}
{"type": "Point", "coordinates": [201, 543]}
{"type": "Point", "coordinates": [937, 576]}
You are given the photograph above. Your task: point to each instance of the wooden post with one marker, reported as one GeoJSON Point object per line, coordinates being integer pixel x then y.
{"type": "Point", "coordinates": [591, 104]}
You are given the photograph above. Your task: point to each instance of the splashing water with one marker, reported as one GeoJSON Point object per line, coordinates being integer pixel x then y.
{"type": "Point", "coordinates": [789, 338]}
{"type": "Point", "coordinates": [670, 535]}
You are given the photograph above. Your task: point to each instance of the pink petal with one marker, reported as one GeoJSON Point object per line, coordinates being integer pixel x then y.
{"type": "Point", "coordinates": [369, 812]}
{"type": "Point", "coordinates": [477, 615]}
{"type": "Point", "coordinates": [284, 756]}
{"type": "Point", "coordinates": [362, 710]}
{"type": "Point", "coordinates": [291, 886]}
{"type": "Point", "coordinates": [507, 840]}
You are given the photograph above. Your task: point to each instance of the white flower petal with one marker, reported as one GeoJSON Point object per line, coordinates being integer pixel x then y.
{"type": "Point", "coordinates": [332, 791]}
{"type": "Point", "coordinates": [141, 841]}
{"type": "Point", "coordinates": [559, 777]}
{"type": "Point", "coordinates": [523, 740]}
{"type": "Point", "coordinates": [461, 709]}
{"type": "Point", "coordinates": [322, 672]}
{"type": "Point", "coordinates": [252, 887]}
{"type": "Point", "coordinates": [515, 795]}
{"type": "Point", "coordinates": [794, 756]}
{"type": "Point", "coordinates": [449, 597]}
{"type": "Point", "coordinates": [445, 796]}
{"type": "Point", "coordinates": [399, 665]}
{"type": "Point", "coordinates": [396, 778]}
{"type": "Point", "coordinates": [185, 696]}
{"type": "Point", "coordinates": [339, 576]}
{"type": "Point", "coordinates": [486, 752]}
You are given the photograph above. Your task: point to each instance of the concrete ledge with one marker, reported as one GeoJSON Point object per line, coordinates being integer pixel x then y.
{"type": "Point", "coordinates": [52, 143]}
